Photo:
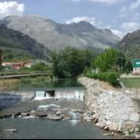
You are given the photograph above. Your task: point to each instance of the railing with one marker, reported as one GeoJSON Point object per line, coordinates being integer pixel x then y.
{"type": "Point", "coordinates": [131, 92]}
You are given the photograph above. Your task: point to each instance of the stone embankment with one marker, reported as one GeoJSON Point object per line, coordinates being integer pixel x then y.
{"type": "Point", "coordinates": [112, 110]}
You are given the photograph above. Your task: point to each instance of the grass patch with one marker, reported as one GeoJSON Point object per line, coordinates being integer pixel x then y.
{"type": "Point", "coordinates": [131, 82]}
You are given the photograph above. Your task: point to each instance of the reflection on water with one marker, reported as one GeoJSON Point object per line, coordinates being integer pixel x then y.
{"type": "Point", "coordinates": [59, 84]}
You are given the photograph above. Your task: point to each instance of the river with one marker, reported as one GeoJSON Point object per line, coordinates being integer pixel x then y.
{"type": "Point", "coordinates": [40, 128]}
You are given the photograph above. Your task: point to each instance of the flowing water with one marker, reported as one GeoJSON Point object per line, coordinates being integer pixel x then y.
{"type": "Point", "coordinates": [42, 129]}
{"type": "Point", "coordinates": [69, 96]}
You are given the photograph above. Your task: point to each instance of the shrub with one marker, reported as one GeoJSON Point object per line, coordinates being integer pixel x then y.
{"type": "Point", "coordinates": [110, 77]}
{"type": "Point", "coordinates": [26, 80]}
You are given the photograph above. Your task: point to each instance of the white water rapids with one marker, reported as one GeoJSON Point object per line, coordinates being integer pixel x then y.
{"type": "Point", "coordinates": [41, 95]}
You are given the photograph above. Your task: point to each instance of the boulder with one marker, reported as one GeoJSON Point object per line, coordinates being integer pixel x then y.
{"type": "Point", "coordinates": [41, 114]}
{"type": "Point", "coordinates": [112, 126]}
{"type": "Point", "coordinates": [80, 111]}
{"type": "Point", "coordinates": [54, 117]}
{"type": "Point", "coordinates": [129, 125]}
{"type": "Point", "coordinates": [24, 114]}
{"type": "Point", "coordinates": [125, 117]}
{"type": "Point", "coordinates": [32, 113]}
{"type": "Point", "coordinates": [10, 130]}
{"type": "Point", "coordinates": [134, 117]}
{"type": "Point", "coordinates": [101, 125]}
{"type": "Point", "coordinates": [59, 112]}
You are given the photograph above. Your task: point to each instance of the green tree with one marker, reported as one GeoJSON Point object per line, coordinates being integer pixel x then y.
{"type": "Point", "coordinates": [110, 61]}
{"type": "Point", "coordinates": [70, 62]}
{"type": "Point", "coordinates": [128, 67]}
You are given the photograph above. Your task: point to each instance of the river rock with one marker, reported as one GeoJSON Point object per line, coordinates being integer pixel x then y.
{"type": "Point", "coordinates": [10, 130]}
{"type": "Point", "coordinates": [32, 113]}
{"type": "Point", "coordinates": [66, 118]}
{"type": "Point", "coordinates": [80, 111]}
{"type": "Point", "coordinates": [41, 114]}
{"type": "Point", "coordinates": [101, 125]}
{"type": "Point", "coordinates": [59, 112]}
{"type": "Point", "coordinates": [134, 117]}
{"type": "Point", "coordinates": [54, 117]}
{"type": "Point", "coordinates": [129, 125]}
{"type": "Point", "coordinates": [24, 114]}
{"type": "Point", "coordinates": [87, 118]}
{"type": "Point", "coordinates": [125, 117]}
{"type": "Point", "coordinates": [113, 126]}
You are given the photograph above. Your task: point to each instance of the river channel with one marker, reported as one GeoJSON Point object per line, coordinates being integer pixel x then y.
{"type": "Point", "coordinates": [69, 96]}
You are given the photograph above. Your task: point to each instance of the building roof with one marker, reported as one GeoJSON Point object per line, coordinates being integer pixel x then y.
{"type": "Point", "coordinates": [136, 63]}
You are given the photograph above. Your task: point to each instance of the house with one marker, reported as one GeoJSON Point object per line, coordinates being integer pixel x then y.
{"type": "Point", "coordinates": [136, 66]}
{"type": "Point", "coordinates": [16, 66]}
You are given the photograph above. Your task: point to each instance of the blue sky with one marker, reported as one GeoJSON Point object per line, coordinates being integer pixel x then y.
{"type": "Point", "coordinates": [120, 16]}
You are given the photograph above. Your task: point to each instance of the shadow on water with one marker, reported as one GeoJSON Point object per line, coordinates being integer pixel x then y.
{"type": "Point", "coordinates": [8, 100]}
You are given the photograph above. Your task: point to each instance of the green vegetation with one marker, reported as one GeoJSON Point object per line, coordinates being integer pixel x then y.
{"type": "Point", "coordinates": [107, 67]}
{"type": "Point", "coordinates": [110, 77]}
{"type": "Point", "coordinates": [40, 67]}
{"type": "Point", "coordinates": [70, 62]}
{"type": "Point", "coordinates": [131, 82]}
{"type": "Point", "coordinates": [16, 55]}
{"type": "Point", "coordinates": [110, 60]}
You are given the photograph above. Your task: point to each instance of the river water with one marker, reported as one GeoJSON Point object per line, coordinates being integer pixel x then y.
{"type": "Point", "coordinates": [33, 128]}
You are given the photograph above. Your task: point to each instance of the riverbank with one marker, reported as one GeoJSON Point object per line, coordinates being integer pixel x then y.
{"type": "Point", "coordinates": [113, 110]}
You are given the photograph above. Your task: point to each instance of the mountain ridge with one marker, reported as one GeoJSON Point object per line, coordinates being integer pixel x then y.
{"type": "Point", "coordinates": [130, 44]}
{"type": "Point", "coordinates": [56, 36]}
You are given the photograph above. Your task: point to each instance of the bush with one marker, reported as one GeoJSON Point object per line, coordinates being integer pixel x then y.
{"type": "Point", "coordinates": [110, 77]}
{"type": "Point", "coordinates": [26, 80]}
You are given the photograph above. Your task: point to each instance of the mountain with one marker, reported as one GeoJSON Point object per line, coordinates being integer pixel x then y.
{"type": "Point", "coordinates": [55, 36]}
{"type": "Point", "coordinates": [16, 44]}
{"type": "Point", "coordinates": [130, 44]}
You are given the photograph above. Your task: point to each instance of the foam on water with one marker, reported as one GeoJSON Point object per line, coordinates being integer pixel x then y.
{"type": "Point", "coordinates": [29, 117]}
{"type": "Point", "coordinates": [42, 95]}
{"type": "Point", "coordinates": [45, 107]}
{"type": "Point", "coordinates": [74, 122]}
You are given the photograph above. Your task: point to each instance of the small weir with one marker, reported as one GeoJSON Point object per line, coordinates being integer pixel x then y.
{"type": "Point", "coordinates": [64, 94]}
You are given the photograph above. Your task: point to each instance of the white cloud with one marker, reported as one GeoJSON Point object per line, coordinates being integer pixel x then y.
{"type": "Point", "coordinates": [118, 33]}
{"type": "Point", "coordinates": [11, 8]}
{"type": "Point", "coordinates": [123, 12]}
{"type": "Point", "coordinates": [91, 20]}
{"type": "Point", "coordinates": [135, 5]}
{"type": "Point", "coordinates": [130, 26]}
{"type": "Point", "coordinates": [109, 2]}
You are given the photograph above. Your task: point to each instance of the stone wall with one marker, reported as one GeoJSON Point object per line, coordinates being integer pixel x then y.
{"type": "Point", "coordinates": [112, 109]}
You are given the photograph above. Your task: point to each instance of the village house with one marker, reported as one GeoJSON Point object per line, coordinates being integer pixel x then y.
{"type": "Point", "coordinates": [17, 65]}
{"type": "Point", "coordinates": [136, 66]}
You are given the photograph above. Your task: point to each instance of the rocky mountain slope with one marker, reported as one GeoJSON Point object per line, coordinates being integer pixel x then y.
{"type": "Point", "coordinates": [21, 45]}
{"type": "Point", "coordinates": [130, 44]}
{"type": "Point", "coordinates": [55, 36]}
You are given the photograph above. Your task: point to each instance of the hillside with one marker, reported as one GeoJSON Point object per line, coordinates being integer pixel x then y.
{"type": "Point", "coordinates": [16, 45]}
{"type": "Point", "coordinates": [55, 36]}
{"type": "Point", "coordinates": [130, 44]}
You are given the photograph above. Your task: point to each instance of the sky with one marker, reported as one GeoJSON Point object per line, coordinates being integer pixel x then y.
{"type": "Point", "coordinates": [120, 16]}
